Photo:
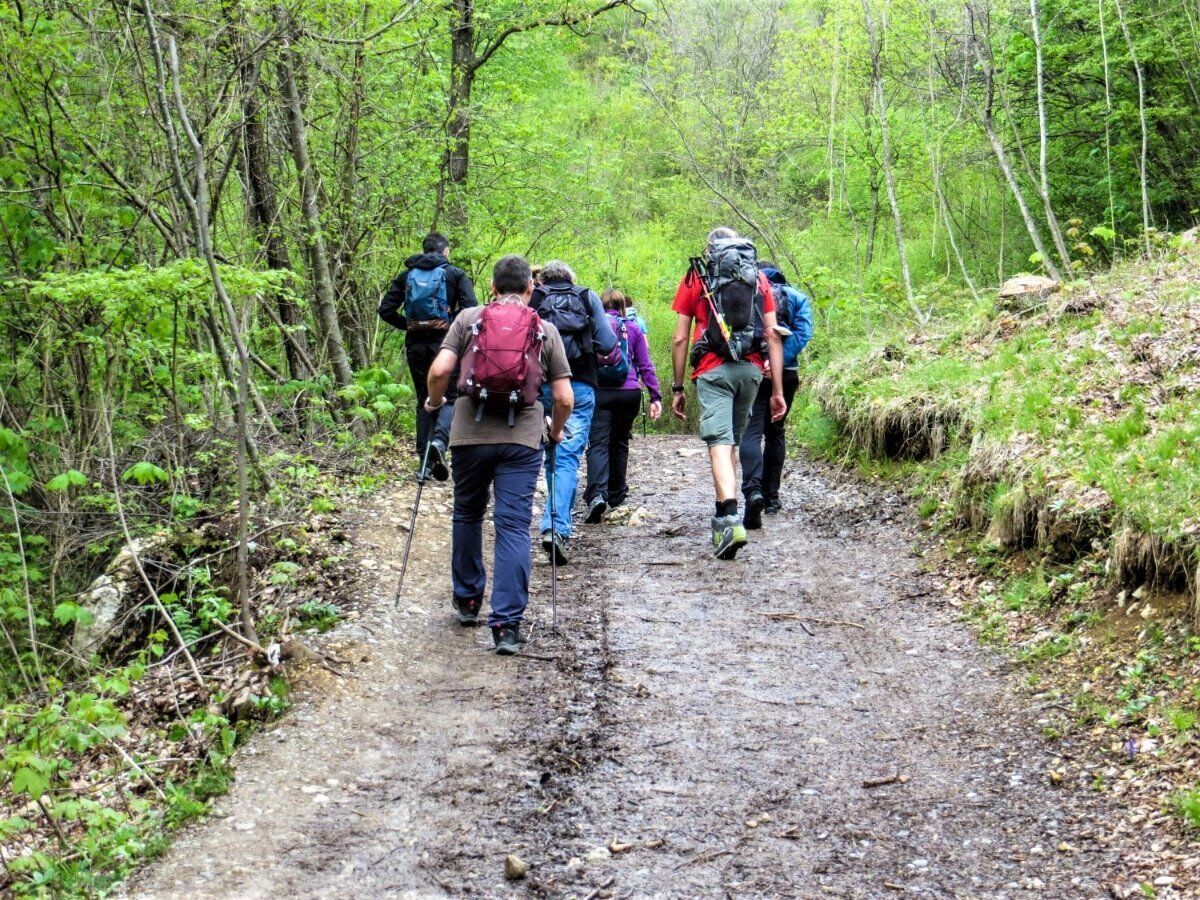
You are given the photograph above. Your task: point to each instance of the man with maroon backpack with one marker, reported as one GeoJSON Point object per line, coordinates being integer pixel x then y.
{"type": "Point", "coordinates": [506, 353]}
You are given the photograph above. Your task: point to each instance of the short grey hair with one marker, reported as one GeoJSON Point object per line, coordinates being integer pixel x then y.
{"type": "Point", "coordinates": [557, 270]}
{"type": "Point", "coordinates": [721, 233]}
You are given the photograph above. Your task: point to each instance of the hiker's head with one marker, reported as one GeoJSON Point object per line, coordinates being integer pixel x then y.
{"type": "Point", "coordinates": [512, 275]}
{"type": "Point", "coordinates": [720, 234]}
{"type": "Point", "coordinates": [774, 275]}
{"type": "Point", "coordinates": [555, 271]}
{"type": "Point", "coordinates": [435, 242]}
{"type": "Point", "coordinates": [615, 299]}
{"type": "Point", "coordinates": [537, 274]}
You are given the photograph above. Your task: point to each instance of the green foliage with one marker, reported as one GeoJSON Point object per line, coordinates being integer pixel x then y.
{"type": "Point", "coordinates": [1186, 804]}
{"type": "Point", "coordinates": [318, 615]}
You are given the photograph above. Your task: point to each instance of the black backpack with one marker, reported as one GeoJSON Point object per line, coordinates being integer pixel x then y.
{"type": "Point", "coordinates": [565, 306]}
{"type": "Point", "coordinates": [730, 283]}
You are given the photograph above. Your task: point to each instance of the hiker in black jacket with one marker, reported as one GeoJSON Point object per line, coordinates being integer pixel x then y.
{"type": "Point", "coordinates": [422, 301]}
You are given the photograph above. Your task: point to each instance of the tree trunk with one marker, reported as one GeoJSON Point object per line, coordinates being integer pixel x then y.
{"type": "Point", "coordinates": [873, 222]}
{"type": "Point", "coordinates": [889, 179]}
{"type": "Point", "coordinates": [263, 211]}
{"type": "Point", "coordinates": [458, 119]}
{"type": "Point", "coordinates": [314, 234]}
{"type": "Point", "coordinates": [1142, 159]}
{"type": "Point", "coordinates": [1002, 157]}
{"type": "Point", "coordinates": [196, 202]}
{"type": "Point", "coordinates": [833, 95]}
{"type": "Point", "coordinates": [1043, 140]}
{"type": "Point", "coordinates": [1108, 170]}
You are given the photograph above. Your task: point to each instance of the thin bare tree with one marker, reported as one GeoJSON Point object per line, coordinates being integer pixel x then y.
{"type": "Point", "coordinates": [875, 34]}
{"type": "Point", "coordinates": [989, 129]}
{"type": "Point", "coordinates": [1044, 140]}
{"type": "Point", "coordinates": [1145, 150]}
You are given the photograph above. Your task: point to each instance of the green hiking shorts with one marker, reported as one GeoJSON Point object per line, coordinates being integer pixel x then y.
{"type": "Point", "coordinates": [726, 395]}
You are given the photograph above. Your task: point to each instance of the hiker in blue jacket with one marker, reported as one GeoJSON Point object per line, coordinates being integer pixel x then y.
{"type": "Point", "coordinates": [762, 466]}
{"type": "Point", "coordinates": [422, 302]}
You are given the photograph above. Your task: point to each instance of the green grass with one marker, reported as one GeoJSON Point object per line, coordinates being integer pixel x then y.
{"type": "Point", "coordinates": [1186, 804]}
{"type": "Point", "coordinates": [1077, 390]}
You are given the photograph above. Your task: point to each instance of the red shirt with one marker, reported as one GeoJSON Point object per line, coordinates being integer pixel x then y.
{"type": "Point", "coordinates": [689, 301]}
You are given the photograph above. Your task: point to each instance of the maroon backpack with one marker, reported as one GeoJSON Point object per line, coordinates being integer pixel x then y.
{"type": "Point", "coordinates": [502, 368]}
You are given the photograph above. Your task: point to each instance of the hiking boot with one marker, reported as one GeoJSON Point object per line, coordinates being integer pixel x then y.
{"type": "Point", "coordinates": [596, 510]}
{"type": "Point", "coordinates": [438, 470]}
{"type": "Point", "coordinates": [754, 511]}
{"type": "Point", "coordinates": [467, 610]}
{"type": "Point", "coordinates": [728, 536]}
{"type": "Point", "coordinates": [773, 507]}
{"type": "Point", "coordinates": [556, 546]}
{"type": "Point", "coordinates": [506, 639]}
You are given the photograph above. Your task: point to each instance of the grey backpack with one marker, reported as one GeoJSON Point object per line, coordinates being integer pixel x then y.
{"type": "Point", "coordinates": [732, 279]}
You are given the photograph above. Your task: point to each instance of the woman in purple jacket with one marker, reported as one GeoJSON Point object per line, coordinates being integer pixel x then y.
{"type": "Point", "coordinates": [617, 409]}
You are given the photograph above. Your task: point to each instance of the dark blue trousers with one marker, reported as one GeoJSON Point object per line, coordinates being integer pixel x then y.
{"type": "Point", "coordinates": [764, 443]}
{"type": "Point", "coordinates": [511, 472]}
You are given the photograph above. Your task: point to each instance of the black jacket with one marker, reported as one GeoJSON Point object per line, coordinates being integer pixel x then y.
{"type": "Point", "coordinates": [459, 292]}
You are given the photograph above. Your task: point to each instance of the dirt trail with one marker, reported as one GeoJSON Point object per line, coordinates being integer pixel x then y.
{"type": "Point", "coordinates": [719, 722]}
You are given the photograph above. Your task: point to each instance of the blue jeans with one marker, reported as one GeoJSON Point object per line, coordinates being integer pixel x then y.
{"type": "Point", "coordinates": [570, 451]}
{"type": "Point", "coordinates": [512, 471]}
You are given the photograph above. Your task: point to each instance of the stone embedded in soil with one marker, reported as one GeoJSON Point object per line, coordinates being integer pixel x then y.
{"type": "Point", "coordinates": [515, 868]}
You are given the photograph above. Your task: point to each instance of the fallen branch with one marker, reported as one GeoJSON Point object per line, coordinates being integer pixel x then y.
{"type": "Point", "coordinates": [802, 619]}
{"type": "Point", "coordinates": [253, 645]}
{"type": "Point", "coordinates": [707, 856]}
{"type": "Point", "coordinates": [881, 780]}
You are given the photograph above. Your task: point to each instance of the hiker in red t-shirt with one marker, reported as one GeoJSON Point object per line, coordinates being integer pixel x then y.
{"type": "Point", "coordinates": [727, 363]}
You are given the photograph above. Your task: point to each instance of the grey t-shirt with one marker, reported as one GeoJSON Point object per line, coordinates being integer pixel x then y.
{"type": "Point", "coordinates": [529, 426]}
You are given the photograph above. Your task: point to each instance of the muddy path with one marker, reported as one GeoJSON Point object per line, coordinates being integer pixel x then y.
{"type": "Point", "coordinates": [807, 721]}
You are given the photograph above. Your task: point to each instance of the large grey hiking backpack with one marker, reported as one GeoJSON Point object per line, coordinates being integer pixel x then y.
{"type": "Point", "coordinates": [731, 278]}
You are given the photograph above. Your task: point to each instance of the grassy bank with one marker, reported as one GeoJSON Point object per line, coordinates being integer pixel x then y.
{"type": "Point", "coordinates": [1054, 445]}
{"type": "Point", "coordinates": [1068, 427]}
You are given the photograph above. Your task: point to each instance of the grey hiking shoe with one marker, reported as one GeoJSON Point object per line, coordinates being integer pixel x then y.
{"type": "Point", "coordinates": [467, 610]}
{"type": "Point", "coordinates": [728, 536]}
{"type": "Point", "coordinates": [556, 545]}
{"type": "Point", "coordinates": [506, 639]}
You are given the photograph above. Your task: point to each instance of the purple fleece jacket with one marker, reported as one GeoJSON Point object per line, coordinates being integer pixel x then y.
{"type": "Point", "coordinates": [641, 366]}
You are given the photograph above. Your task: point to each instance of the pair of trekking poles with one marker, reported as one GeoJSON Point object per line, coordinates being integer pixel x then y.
{"type": "Point", "coordinates": [423, 476]}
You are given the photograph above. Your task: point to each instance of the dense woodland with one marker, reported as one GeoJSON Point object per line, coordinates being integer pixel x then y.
{"type": "Point", "coordinates": [201, 203]}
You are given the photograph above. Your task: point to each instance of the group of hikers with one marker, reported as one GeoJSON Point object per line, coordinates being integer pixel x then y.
{"type": "Point", "coordinates": [548, 372]}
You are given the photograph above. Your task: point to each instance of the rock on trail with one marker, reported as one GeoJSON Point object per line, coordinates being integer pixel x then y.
{"type": "Point", "coordinates": [806, 721]}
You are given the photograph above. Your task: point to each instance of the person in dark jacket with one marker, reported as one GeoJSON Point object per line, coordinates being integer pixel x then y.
{"type": "Point", "coordinates": [423, 301]}
{"type": "Point", "coordinates": [617, 408]}
{"type": "Point", "coordinates": [589, 342]}
{"type": "Point", "coordinates": [764, 442]}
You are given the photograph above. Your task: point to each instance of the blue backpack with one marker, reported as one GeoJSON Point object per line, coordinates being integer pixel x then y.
{"type": "Point", "coordinates": [794, 311]}
{"type": "Point", "coordinates": [425, 296]}
{"type": "Point", "coordinates": [616, 374]}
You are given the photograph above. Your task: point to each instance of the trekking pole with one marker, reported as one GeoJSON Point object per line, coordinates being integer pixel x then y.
{"type": "Point", "coordinates": [552, 462]}
{"type": "Point", "coordinates": [698, 270]}
{"type": "Point", "coordinates": [412, 525]}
